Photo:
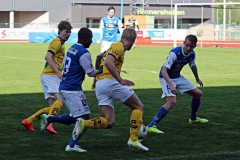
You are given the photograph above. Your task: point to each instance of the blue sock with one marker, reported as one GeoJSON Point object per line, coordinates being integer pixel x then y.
{"type": "Point", "coordinates": [162, 112]}
{"type": "Point", "coordinates": [72, 142]}
{"type": "Point", "coordinates": [63, 119]}
{"type": "Point", "coordinates": [195, 105]}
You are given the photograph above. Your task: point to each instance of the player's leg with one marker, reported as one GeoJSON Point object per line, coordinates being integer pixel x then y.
{"type": "Point", "coordinates": [136, 121]}
{"type": "Point", "coordinates": [28, 122]}
{"type": "Point", "coordinates": [164, 109]}
{"type": "Point", "coordinates": [105, 103]}
{"type": "Point", "coordinates": [51, 84]}
{"type": "Point", "coordinates": [72, 144]}
{"type": "Point", "coordinates": [185, 86]}
{"type": "Point", "coordinates": [126, 95]}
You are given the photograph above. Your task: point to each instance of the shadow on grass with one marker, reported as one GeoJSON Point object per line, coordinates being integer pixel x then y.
{"type": "Point", "coordinates": [216, 140]}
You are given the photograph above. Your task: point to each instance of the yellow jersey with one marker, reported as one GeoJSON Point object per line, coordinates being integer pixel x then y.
{"type": "Point", "coordinates": [116, 50]}
{"type": "Point", "coordinates": [57, 48]}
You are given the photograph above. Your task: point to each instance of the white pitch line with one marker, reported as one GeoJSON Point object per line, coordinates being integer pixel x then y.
{"type": "Point", "coordinates": [202, 75]}
{"type": "Point", "coordinates": [137, 70]}
{"type": "Point", "coordinates": [11, 57]}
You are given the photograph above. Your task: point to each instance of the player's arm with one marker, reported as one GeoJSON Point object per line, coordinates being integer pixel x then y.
{"type": "Point", "coordinates": [120, 26]}
{"type": "Point", "coordinates": [49, 59]}
{"type": "Point", "coordinates": [101, 27]}
{"type": "Point", "coordinates": [195, 71]}
{"type": "Point", "coordinates": [170, 60]}
{"type": "Point", "coordinates": [86, 63]}
{"type": "Point", "coordinates": [127, 24]}
{"type": "Point", "coordinates": [111, 68]}
{"type": "Point", "coordinates": [98, 60]}
{"type": "Point", "coordinates": [97, 67]}
{"type": "Point", "coordinates": [136, 23]}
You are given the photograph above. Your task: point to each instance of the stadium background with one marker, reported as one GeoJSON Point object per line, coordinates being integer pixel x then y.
{"type": "Point", "coordinates": [37, 21]}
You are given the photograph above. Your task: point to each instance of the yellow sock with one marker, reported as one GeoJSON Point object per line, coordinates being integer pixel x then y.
{"type": "Point", "coordinates": [96, 123]}
{"type": "Point", "coordinates": [36, 116]}
{"type": "Point", "coordinates": [136, 122]}
{"type": "Point", "coordinates": [55, 108]}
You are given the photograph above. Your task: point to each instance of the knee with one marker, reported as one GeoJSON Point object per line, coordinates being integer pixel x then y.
{"type": "Point", "coordinates": [172, 102]}
{"type": "Point", "coordinates": [110, 124]}
{"type": "Point", "coordinates": [198, 95]}
{"type": "Point", "coordinates": [139, 106]}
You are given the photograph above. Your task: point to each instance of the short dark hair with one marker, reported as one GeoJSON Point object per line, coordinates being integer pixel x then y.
{"type": "Point", "coordinates": [191, 38]}
{"type": "Point", "coordinates": [110, 8]}
{"type": "Point", "coordinates": [129, 34]}
{"type": "Point", "coordinates": [64, 25]}
{"type": "Point", "coordinates": [84, 32]}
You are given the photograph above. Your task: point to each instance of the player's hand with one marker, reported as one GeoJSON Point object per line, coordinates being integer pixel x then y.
{"type": "Point", "coordinates": [199, 82]}
{"type": "Point", "coordinates": [59, 74]}
{"type": "Point", "coordinates": [94, 83]}
{"type": "Point", "coordinates": [173, 89]}
{"type": "Point", "coordinates": [100, 40]}
{"type": "Point", "coordinates": [126, 82]}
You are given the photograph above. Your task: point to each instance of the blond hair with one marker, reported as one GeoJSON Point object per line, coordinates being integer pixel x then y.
{"type": "Point", "coordinates": [129, 34]}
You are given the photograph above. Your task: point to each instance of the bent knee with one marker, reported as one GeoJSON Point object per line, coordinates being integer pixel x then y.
{"type": "Point", "coordinates": [198, 95]}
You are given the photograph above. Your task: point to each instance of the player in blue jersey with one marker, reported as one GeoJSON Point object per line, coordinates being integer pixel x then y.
{"type": "Point", "coordinates": [109, 27]}
{"type": "Point", "coordinates": [76, 64]}
{"type": "Point", "coordinates": [172, 81]}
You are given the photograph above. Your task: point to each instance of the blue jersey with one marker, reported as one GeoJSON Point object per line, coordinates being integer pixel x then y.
{"type": "Point", "coordinates": [176, 61]}
{"type": "Point", "coordinates": [73, 72]}
{"type": "Point", "coordinates": [110, 28]}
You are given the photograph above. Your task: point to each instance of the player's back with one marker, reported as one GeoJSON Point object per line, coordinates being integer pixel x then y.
{"type": "Point", "coordinates": [116, 50]}
{"type": "Point", "coordinates": [73, 74]}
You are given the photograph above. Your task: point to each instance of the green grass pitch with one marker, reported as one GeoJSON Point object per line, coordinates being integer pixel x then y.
{"type": "Point", "coordinates": [219, 69]}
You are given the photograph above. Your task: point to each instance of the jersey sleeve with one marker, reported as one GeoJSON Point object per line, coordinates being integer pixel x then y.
{"type": "Point", "coordinates": [86, 62]}
{"type": "Point", "coordinates": [170, 60]}
{"type": "Point", "coordinates": [101, 27]}
{"type": "Point", "coordinates": [120, 27]}
{"type": "Point", "coordinates": [115, 50]}
{"type": "Point", "coordinates": [54, 46]}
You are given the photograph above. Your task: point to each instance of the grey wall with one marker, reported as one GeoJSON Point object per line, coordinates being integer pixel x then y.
{"type": "Point", "coordinates": [77, 13]}
{"type": "Point", "coordinates": [149, 1]}
{"type": "Point", "coordinates": [58, 9]}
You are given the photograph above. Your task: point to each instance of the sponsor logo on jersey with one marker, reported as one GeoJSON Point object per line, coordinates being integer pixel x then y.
{"type": "Point", "coordinates": [73, 51]}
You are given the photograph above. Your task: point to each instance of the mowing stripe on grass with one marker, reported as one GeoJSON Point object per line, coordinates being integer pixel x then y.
{"type": "Point", "coordinates": [204, 155]}
{"type": "Point", "coordinates": [137, 70]}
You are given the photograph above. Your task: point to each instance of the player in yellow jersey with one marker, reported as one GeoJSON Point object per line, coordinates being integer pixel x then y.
{"type": "Point", "coordinates": [110, 86]}
{"type": "Point", "coordinates": [51, 76]}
